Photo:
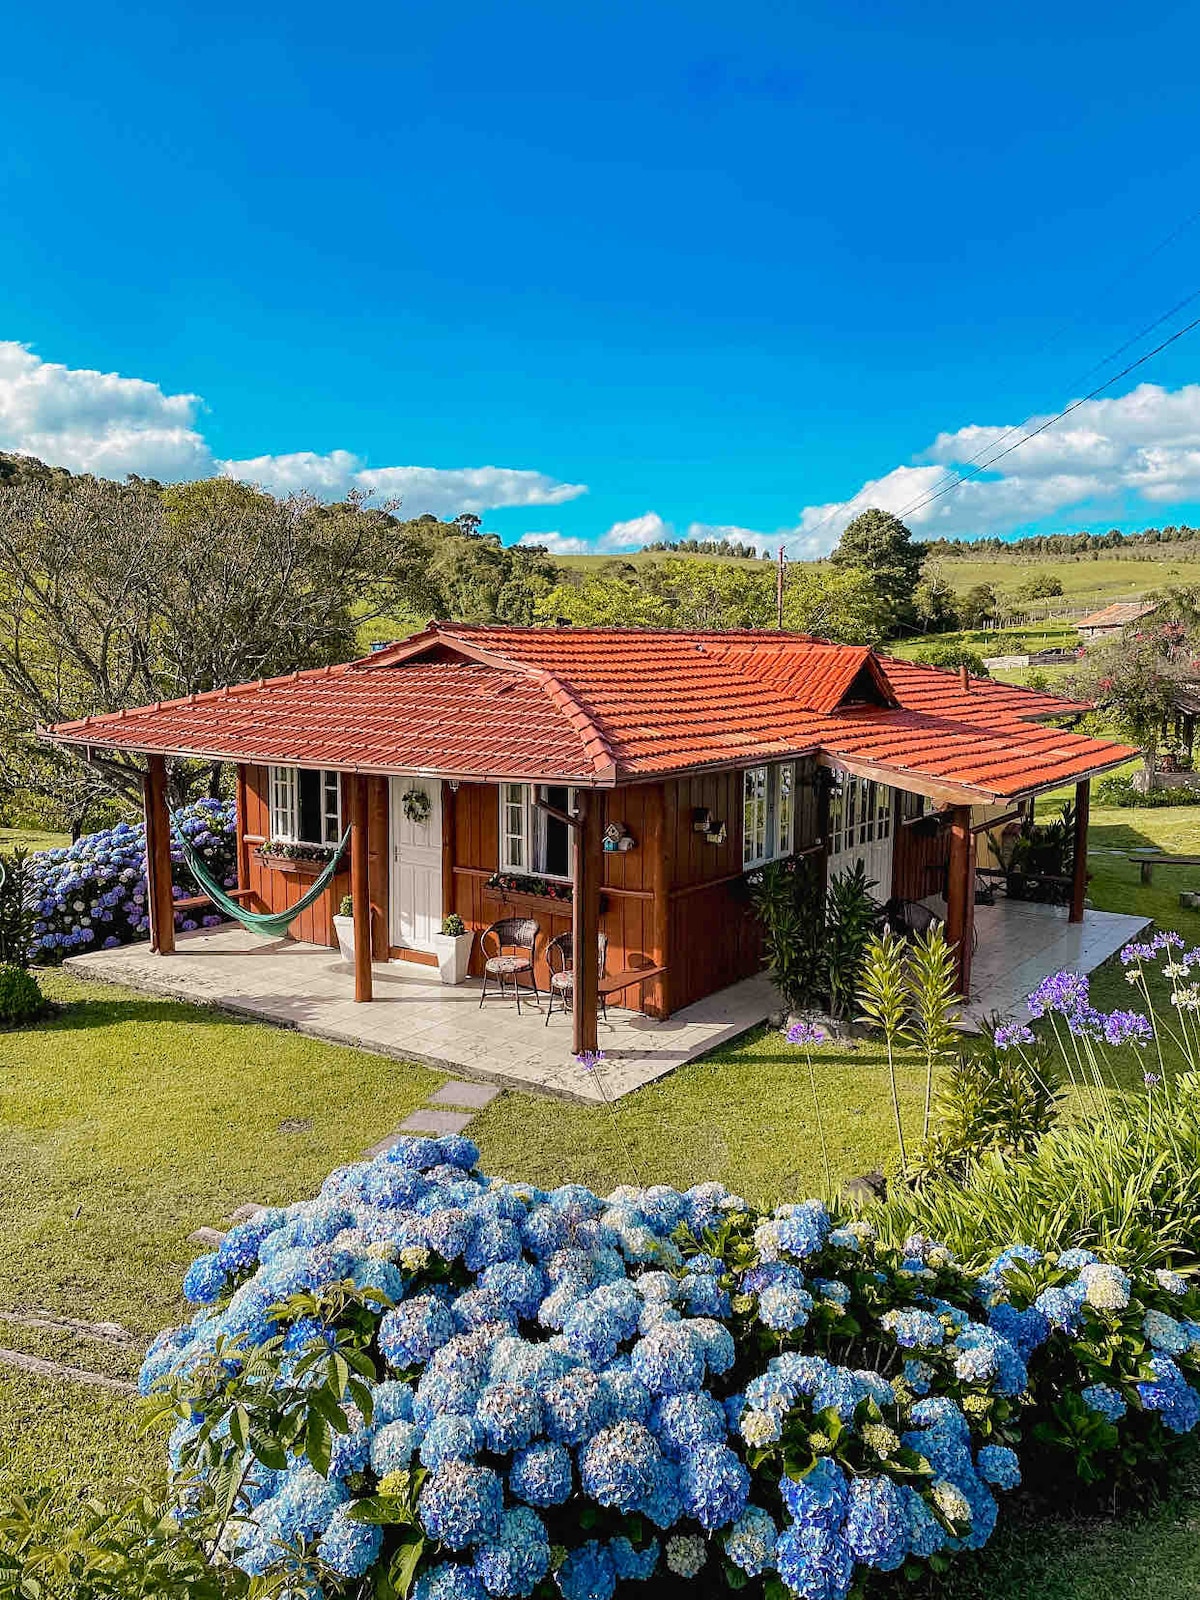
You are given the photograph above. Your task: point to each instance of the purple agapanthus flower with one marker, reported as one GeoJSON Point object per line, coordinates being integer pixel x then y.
{"type": "Point", "coordinates": [1015, 1033]}
{"type": "Point", "coordinates": [1127, 1027]}
{"type": "Point", "coordinates": [806, 1033]}
{"type": "Point", "coordinates": [1065, 992]}
{"type": "Point", "coordinates": [590, 1060]}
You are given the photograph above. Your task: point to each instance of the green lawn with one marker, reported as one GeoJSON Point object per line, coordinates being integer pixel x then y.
{"type": "Point", "coordinates": [30, 839]}
{"type": "Point", "coordinates": [129, 1121]}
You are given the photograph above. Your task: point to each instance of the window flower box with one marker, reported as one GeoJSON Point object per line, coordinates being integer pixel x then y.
{"type": "Point", "coordinates": [305, 860]}
{"type": "Point", "coordinates": [513, 885]}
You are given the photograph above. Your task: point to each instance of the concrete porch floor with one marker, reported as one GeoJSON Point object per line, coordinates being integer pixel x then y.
{"type": "Point", "coordinates": [308, 987]}
{"type": "Point", "coordinates": [1021, 943]}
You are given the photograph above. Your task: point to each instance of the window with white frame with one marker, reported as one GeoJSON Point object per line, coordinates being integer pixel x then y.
{"type": "Point", "coordinates": [860, 814]}
{"type": "Point", "coordinates": [768, 813]}
{"type": "Point", "coordinates": [305, 805]}
{"type": "Point", "coordinates": [531, 839]}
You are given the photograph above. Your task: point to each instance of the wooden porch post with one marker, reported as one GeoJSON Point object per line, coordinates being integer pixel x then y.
{"type": "Point", "coordinates": [960, 893]}
{"type": "Point", "coordinates": [243, 849]}
{"type": "Point", "coordinates": [360, 888]}
{"type": "Point", "coordinates": [160, 903]}
{"type": "Point", "coordinates": [823, 779]}
{"type": "Point", "coordinates": [585, 922]}
{"type": "Point", "coordinates": [1083, 802]}
{"type": "Point", "coordinates": [449, 801]}
{"type": "Point", "coordinates": [658, 842]}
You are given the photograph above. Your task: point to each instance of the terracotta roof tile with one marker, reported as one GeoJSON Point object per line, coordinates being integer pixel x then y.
{"type": "Point", "coordinates": [599, 706]}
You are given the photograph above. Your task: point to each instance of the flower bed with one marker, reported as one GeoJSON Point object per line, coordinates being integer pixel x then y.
{"type": "Point", "coordinates": [464, 1387]}
{"type": "Point", "coordinates": [521, 884]}
{"type": "Point", "coordinates": [92, 894]}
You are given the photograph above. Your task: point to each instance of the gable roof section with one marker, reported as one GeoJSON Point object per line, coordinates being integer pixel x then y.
{"type": "Point", "coordinates": [1118, 614]}
{"type": "Point", "coordinates": [598, 706]}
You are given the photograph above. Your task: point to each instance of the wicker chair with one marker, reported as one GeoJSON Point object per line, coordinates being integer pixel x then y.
{"type": "Point", "coordinates": [509, 947]}
{"type": "Point", "coordinates": [560, 956]}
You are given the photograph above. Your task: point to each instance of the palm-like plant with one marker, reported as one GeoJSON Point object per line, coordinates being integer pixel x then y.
{"type": "Point", "coordinates": [933, 1005]}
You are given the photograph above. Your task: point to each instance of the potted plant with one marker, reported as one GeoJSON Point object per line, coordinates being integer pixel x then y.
{"type": "Point", "coordinates": [343, 926]}
{"type": "Point", "coordinates": [453, 946]}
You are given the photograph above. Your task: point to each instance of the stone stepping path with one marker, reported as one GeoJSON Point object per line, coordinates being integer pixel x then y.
{"type": "Point", "coordinates": [110, 1333]}
{"type": "Point", "coordinates": [107, 1332]}
{"type": "Point", "coordinates": [473, 1095]}
{"type": "Point", "coordinates": [439, 1117]}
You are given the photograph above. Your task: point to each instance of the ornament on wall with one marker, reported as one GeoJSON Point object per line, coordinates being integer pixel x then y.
{"type": "Point", "coordinates": [618, 837]}
{"type": "Point", "coordinates": [716, 833]}
{"type": "Point", "coordinates": [416, 805]}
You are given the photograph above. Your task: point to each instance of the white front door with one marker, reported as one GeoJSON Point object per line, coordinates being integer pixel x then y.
{"type": "Point", "coordinates": [861, 823]}
{"type": "Point", "coordinates": [416, 876]}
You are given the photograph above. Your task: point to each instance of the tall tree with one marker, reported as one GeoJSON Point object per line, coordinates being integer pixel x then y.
{"type": "Point", "coordinates": [116, 594]}
{"type": "Point", "coordinates": [1134, 680]}
{"type": "Point", "coordinates": [877, 542]}
{"type": "Point", "coordinates": [836, 604]}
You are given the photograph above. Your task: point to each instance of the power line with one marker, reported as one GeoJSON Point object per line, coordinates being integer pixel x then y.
{"type": "Point", "coordinates": [1130, 267]}
{"type": "Point", "coordinates": [961, 478]}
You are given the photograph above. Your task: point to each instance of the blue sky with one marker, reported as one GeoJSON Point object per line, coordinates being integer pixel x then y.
{"type": "Point", "coordinates": [657, 266]}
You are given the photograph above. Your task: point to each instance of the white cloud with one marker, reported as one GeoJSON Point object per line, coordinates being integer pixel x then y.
{"type": "Point", "coordinates": [104, 423]}
{"type": "Point", "coordinates": [558, 544]}
{"type": "Point", "coordinates": [1145, 444]}
{"type": "Point", "coordinates": [649, 528]}
{"type": "Point", "coordinates": [97, 421]}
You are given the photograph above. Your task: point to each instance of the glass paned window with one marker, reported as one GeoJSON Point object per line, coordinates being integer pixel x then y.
{"type": "Point", "coordinates": [305, 805]}
{"type": "Point", "coordinates": [531, 840]}
{"type": "Point", "coordinates": [513, 815]}
{"type": "Point", "coordinates": [754, 816]}
{"type": "Point", "coordinates": [282, 803]}
{"type": "Point", "coordinates": [768, 813]}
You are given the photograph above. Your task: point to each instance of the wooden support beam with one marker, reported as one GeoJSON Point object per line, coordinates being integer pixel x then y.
{"type": "Point", "coordinates": [585, 920]}
{"type": "Point", "coordinates": [1083, 804]}
{"type": "Point", "coordinates": [657, 845]}
{"type": "Point", "coordinates": [960, 894]}
{"type": "Point", "coordinates": [449, 819]}
{"type": "Point", "coordinates": [360, 888]}
{"type": "Point", "coordinates": [243, 844]}
{"type": "Point", "coordinates": [160, 902]}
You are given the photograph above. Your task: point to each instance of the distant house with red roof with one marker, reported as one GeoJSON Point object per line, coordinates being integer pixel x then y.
{"type": "Point", "coordinates": [1112, 619]}
{"type": "Point", "coordinates": [601, 779]}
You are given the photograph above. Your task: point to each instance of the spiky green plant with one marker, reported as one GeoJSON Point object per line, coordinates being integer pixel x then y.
{"type": "Point", "coordinates": [933, 1005]}
{"type": "Point", "coordinates": [883, 1000]}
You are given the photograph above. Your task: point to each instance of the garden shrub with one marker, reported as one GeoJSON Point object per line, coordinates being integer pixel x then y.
{"type": "Point", "coordinates": [1121, 791]}
{"type": "Point", "coordinates": [989, 1099]}
{"type": "Point", "coordinates": [16, 916]}
{"type": "Point", "coordinates": [94, 891]}
{"type": "Point", "coordinates": [427, 1379]}
{"type": "Point", "coordinates": [20, 998]}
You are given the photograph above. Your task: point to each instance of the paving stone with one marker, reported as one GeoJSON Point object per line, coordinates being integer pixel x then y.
{"type": "Point", "coordinates": [61, 1371]}
{"type": "Point", "coordinates": [209, 1236]}
{"type": "Point", "coordinates": [436, 1122]}
{"type": "Point", "coordinates": [384, 1144]}
{"type": "Point", "coordinates": [475, 1095]}
{"type": "Point", "coordinates": [244, 1213]}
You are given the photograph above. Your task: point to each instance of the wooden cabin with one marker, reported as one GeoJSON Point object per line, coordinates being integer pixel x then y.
{"type": "Point", "coordinates": [622, 780]}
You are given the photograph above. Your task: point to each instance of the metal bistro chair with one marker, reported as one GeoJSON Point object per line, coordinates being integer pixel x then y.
{"type": "Point", "coordinates": [508, 948]}
{"type": "Point", "coordinates": [560, 958]}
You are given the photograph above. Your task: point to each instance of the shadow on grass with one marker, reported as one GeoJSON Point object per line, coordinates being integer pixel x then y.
{"type": "Point", "coordinates": [72, 1015]}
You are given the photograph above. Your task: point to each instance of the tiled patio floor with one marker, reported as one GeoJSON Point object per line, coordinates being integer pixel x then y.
{"type": "Point", "coordinates": [1020, 944]}
{"type": "Point", "coordinates": [307, 987]}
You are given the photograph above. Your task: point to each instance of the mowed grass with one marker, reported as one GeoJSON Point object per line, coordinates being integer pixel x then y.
{"type": "Point", "coordinates": [127, 1122]}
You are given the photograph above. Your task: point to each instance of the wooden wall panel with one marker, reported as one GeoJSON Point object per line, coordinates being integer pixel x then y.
{"type": "Point", "coordinates": [276, 890]}
{"type": "Point", "coordinates": [918, 858]}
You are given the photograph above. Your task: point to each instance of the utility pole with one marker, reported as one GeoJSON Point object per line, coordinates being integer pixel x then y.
{"type": "Point", "coordinates": [779, 590]}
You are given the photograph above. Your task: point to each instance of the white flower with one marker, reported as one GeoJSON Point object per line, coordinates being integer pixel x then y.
{"type": "Point", "coordinates": [759, 1428]}
{"type": "Point", "coordinates": [685, 1554]}
{"type": "Point", "coordinates": [1105, 1287]}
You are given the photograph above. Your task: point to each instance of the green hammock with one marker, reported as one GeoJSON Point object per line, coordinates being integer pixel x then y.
{"type": "Point", "coordinates": [271, 924]}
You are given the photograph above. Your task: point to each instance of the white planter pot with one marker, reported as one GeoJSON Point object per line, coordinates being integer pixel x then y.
{"type": "Point", "coordinates": [344, 928]}
{"type": "Point", "coordinates": [453, 955]}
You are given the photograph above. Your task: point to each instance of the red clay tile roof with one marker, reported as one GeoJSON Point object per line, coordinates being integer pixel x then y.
{"type": "Point", "coordinates": [1118, 614]}
{"type": "Point", "coordinates": [604, 705]}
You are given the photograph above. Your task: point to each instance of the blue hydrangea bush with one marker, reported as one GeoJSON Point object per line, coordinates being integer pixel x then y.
{"type": "Point", "coordinates": [92, 894]}
{"type": "Point", "coordinates": [428, 1381]}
